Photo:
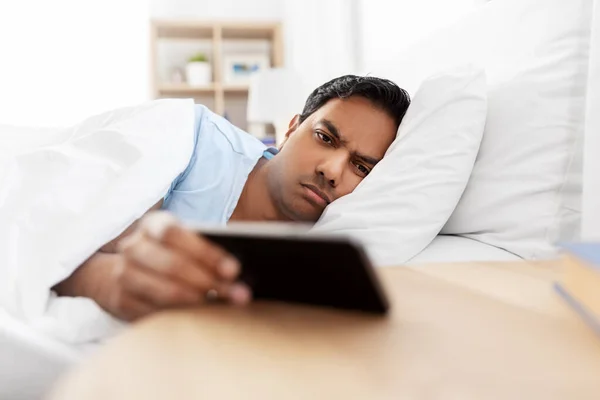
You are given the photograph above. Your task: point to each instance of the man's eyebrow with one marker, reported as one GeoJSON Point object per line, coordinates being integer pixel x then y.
{"type": "Point", "coordinates": [335, 132]}
{"type": "Point", "coordinates": [332, 129]}
{"type": "Point", "coordinates": [368, 159]}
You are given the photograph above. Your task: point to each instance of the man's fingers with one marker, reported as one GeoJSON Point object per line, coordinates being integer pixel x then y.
{"type": "Point", "coordinates": [203, 251]}
{"type": "Point", "coordinates": [161, 226]}
{"type": "Point", "coordinates": [239, 294]}
{"type": "Point", "coordinates": [156, 223]}
{"type": "Point", "coordinates": [158, 289]}
{"type": "Point", "coordinates": [162, 292]}
{"type": "Point", "coordinates": [180, 256]}
{"type": "Point", "coordinates": [130, 308]}
{"type": "Point", "coordinates": [153, 255]}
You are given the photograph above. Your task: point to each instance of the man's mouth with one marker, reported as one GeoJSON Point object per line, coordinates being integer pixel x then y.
{"type": "Point", "coordinates": [316, 195]}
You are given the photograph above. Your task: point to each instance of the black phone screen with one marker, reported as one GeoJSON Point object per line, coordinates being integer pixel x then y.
{"type": "Point", "coordinates": [330, 272]}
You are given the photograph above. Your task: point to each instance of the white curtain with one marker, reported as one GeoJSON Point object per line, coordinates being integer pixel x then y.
{"type": "Point", "coordinates": [390, 26]}
{"type": "Point", "coordinates": [320, 40]}
{"type": "Point", "coordinates": [63, 60]}
{"type": "Point", "coordinates": [328, 38]}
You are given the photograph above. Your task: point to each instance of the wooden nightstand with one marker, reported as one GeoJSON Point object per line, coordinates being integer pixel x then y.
{"type": "Point", "coordinates": [456, 331]}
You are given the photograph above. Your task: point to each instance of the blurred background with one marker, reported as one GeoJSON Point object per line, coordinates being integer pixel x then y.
{"type": "Point", "coordinates": [64, 60]}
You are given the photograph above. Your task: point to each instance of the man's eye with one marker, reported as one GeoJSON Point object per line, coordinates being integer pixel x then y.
{"type": "Point", "coordinates": [324, 138]}
{"type": "Point", "coordinates": [362, 169]}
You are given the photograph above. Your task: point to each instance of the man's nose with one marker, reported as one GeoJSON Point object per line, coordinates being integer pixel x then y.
{"type": "Point", "coordinates": [332, 168]}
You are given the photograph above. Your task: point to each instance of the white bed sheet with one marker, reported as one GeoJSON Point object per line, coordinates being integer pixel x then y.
{"type": "Point", "coordinates": [447, 248]}
{"type": "Point", "coordinates": [30, 362]}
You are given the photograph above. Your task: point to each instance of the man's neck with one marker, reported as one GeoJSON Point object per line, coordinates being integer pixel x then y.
{"type": "Point", "coordinates": [255, 203]}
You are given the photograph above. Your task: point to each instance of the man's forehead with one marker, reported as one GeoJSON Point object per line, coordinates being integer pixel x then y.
{"type": "Point", "coordinates": [347, 107]}
{"type": "Point", "coordinates": [363, 128]}
{"type": "Point", "coordinates": [356, 112]}
{"type": "Point", "coordinates": [356, 117]}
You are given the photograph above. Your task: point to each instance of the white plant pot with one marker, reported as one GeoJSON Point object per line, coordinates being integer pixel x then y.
{"type": "Point", "coordinates": [198, 73]}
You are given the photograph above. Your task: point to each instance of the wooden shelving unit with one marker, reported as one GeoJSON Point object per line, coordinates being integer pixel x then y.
{"type": "Point", "coordinates": [217, 34]}
{"type": "Point", "coordinates": [183, 88]}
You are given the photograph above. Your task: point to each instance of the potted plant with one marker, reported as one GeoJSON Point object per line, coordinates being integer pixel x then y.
{"type": "Point", "coordinates": [198, 70]}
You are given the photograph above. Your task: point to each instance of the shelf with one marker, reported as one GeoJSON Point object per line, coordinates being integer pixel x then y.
{"type": "Point", "coordinates": [183, 29]}
{"type": "Point", "coordinates": [221, 35]}
{"type": "Point", "coordinates": [235, 87]}
{"type": "Point", "coordinates": [176, 29]}
{"type": "Point", "coordinates": [185, 88]}
{"type": "Point", "coordinates": [249, 30]}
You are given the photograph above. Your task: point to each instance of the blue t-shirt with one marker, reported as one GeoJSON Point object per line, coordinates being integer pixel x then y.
{"type": "Point", "coordinates": [208, 190]}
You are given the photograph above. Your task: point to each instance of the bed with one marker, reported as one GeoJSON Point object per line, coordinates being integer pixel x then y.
{"type": "Point", "coordinates": [448, 248]}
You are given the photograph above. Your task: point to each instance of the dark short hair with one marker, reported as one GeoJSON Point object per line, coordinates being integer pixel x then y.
{"type": "Point", "coordinates": [383, 93]}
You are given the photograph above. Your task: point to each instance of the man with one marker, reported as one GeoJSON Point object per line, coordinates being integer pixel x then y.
{"type": "Point", "coordinates": [345, 128]}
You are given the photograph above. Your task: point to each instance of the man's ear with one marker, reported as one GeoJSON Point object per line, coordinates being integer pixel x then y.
{"type": "Point", "coordinates": [293, 125]}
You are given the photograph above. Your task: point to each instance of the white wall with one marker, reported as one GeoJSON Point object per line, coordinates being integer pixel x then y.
{"type": "Point", "coordinates": [63, 60]}
{"type": "Point", "coordinates": [73, 58]}
{"type": "Point", "coordinates": [217, 9]}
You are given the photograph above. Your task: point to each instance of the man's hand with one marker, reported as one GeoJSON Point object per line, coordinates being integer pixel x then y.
{"type": "Point", "coordinates": [160, 265]}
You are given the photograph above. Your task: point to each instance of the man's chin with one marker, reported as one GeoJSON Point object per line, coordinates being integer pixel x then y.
{"type": "Point", "coordinates": [304, 211]}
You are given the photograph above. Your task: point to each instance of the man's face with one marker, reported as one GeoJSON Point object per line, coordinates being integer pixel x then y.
{"type": "Point", "coordinates": [327, 156]}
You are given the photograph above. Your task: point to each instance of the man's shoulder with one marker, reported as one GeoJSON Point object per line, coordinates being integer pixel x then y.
{"type": "Point", "coordinates": [223, 157]}
{"type": "Point", "coordinates": [215, 131]}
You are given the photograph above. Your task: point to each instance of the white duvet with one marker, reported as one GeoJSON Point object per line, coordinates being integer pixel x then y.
{"type": "Point", "coordinates": [65, 193]}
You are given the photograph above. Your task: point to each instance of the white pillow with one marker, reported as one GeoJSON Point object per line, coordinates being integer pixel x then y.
{"type": "Point", "coordinates": [404, 202]}
{"type": "Point", "coordinates": [525, 189]}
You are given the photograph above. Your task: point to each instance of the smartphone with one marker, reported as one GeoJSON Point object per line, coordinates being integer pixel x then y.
{"type": "Point", "coordinates": [290, 264]}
